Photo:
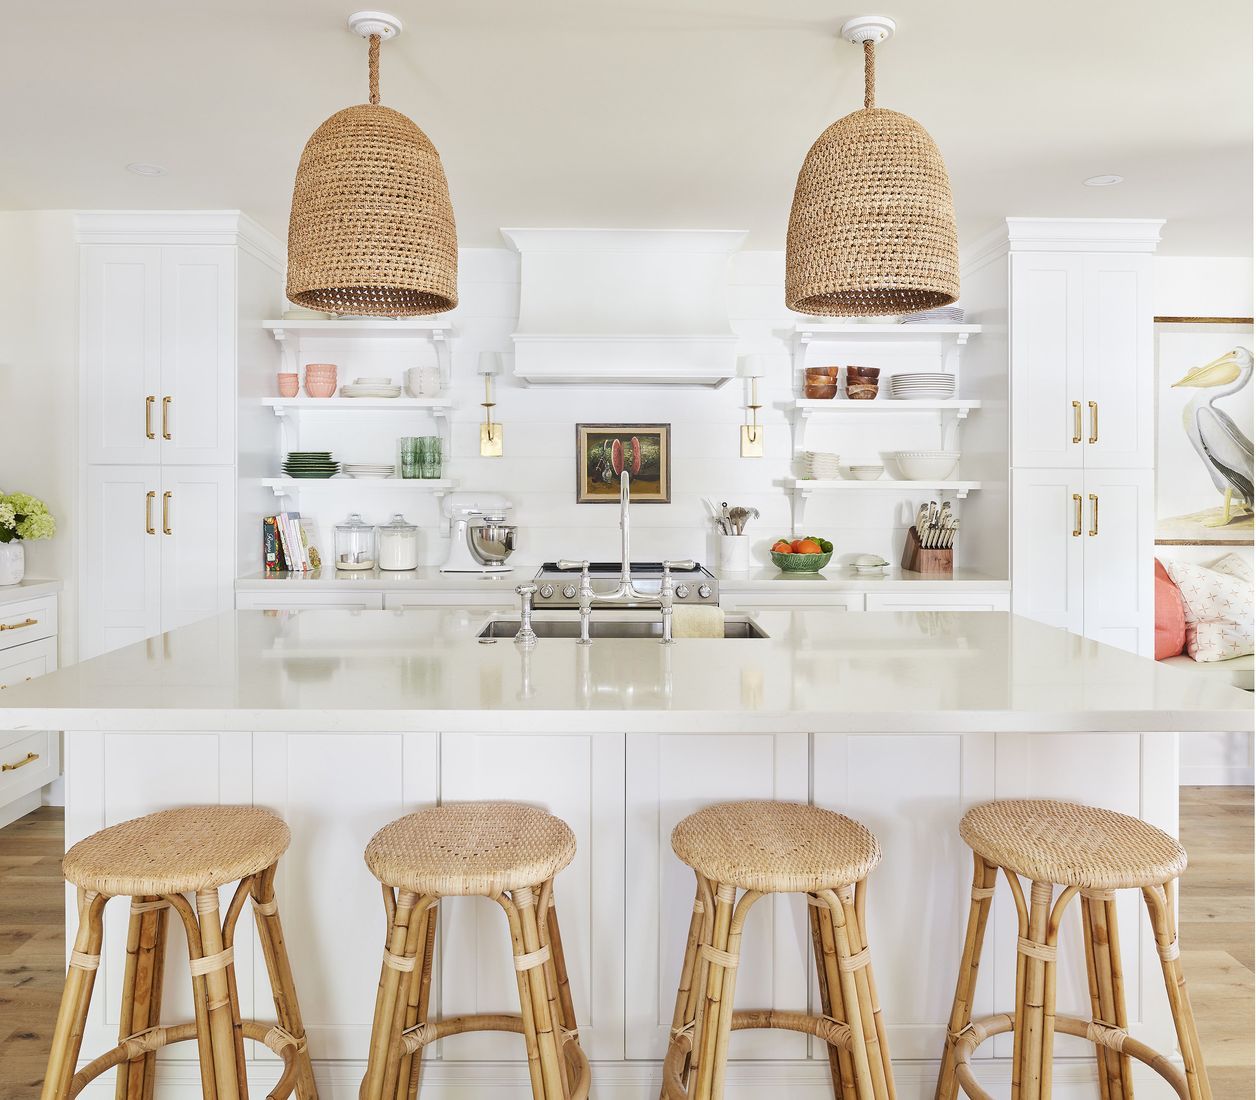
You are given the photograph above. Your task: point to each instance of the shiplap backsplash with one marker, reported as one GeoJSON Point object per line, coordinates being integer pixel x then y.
{"type": "Point", "coordinates": [537, 472]}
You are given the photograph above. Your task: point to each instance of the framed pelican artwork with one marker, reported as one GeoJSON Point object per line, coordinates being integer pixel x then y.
{"type": "Point", "coordinates": [1204, 431]}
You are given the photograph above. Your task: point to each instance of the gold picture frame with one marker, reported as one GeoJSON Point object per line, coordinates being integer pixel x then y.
{"type": "Point", "coordinates": [604, 450]}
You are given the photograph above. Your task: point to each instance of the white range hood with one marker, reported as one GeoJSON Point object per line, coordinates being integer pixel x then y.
{"type": "Point", "coordinates": [624, 306]}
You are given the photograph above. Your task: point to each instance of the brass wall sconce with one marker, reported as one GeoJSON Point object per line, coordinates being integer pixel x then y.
{"type": "Point", "coordinates": [753, 367]}
{"type": "Point", "coordinates": [490, 433]}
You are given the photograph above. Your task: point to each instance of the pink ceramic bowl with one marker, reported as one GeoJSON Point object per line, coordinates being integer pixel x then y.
{"type": "Point", "coordinates": [289, 385]}
{"type": "Point", "coordinates": [320, 389]}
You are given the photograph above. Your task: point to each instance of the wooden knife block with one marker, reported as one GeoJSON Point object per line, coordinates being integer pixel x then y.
{"type": "Point", "coordinates": [917, 559]}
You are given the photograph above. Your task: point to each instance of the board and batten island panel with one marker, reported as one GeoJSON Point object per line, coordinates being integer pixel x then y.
{"type": "Point", "coordinates": [341, 722]}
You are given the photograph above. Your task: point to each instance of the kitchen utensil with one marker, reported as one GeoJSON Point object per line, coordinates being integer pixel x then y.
{"type": "Point", "coordinates": [735, 553]}
{"type": "Point", "coordinates": [740, 516]}
{"type": "Point", "coordinates": [481, 510]}
{"type": "Point", "coordinates": [820, 383]}
{"type": "Point", "coordinates": [867, 471]}
{"type": "Point", "coordinates": [861, 383]}
{"type": "Point", "coordinates": [355, 544]}
{"type": "Point", "coordinates": [492, 541]}
{"type": "Point", "coordinates": [399, 545]}
{"type": "Point", "coordinates": [869, 564]}
{"type": "Point", "coordinates": [926, 465]}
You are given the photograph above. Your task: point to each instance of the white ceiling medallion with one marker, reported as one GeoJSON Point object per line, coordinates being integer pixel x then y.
{"type": "Point", "coordinates": [868, 28]}
{"type": "Point", "coordinates": [367, 23]}
{"type": "Point", "coordinates": [1103, 181]}
{"type": "Point", "coordinates": [140, 168]}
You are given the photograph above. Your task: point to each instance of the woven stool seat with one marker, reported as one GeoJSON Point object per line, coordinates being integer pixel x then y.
{"type": "Point", "coordinates": [177, 851]}
{"type": "Point", "coordinates": [1072, 845]}
{"type": "Point", "coordinates": [463, 848]}
{"type": "Point", "coordinates": [776, 847]}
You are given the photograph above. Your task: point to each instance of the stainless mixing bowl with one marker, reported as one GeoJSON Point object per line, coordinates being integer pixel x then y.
{"type": "Point", "coordinates": [492, 543]}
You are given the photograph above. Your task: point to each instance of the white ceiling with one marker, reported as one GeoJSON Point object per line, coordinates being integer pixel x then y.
{"type": "Point", "coordinates": [652, 113]}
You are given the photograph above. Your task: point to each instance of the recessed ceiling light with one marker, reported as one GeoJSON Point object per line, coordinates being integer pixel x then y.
{"type": "Point", "coordinates": [1103, 181]}
{"type": "Point", "coordinates": [142, 169]}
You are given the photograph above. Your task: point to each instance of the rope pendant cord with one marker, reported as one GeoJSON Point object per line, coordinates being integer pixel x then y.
{"type": "Point", "coordinates": [373, 65]}
{"type": "Point", "coordinates": [870, 75]}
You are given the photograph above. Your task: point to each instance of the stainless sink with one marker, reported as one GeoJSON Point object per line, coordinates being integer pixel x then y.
{"type": "Point", "coordinates": [607, 628]}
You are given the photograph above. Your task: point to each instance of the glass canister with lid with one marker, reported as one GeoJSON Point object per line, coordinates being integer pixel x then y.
{"type": "Point", "coordinates": [399, 544]}
{"type": "Point", "coordinates": [355, 544]}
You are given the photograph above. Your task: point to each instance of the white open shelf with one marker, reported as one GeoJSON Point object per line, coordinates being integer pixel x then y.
{"type": "Point", "coordinates": [290, 486]}
{"type": "Point", "coordinates": [847, 330]}
{"type": "Point", "coordinates": [881, 406]}
{"type": "Point", "coordinates": [882, 485]}
{"type": "Point", "coordinates": [437, 406]}
{"type": "Point", "coordinates": [422, 328]}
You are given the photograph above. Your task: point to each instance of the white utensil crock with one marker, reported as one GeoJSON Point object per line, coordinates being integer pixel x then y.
{"type": "Point", "coordinates": [734, 553]}
{"type": "Point", "coordinates": [12, 562]}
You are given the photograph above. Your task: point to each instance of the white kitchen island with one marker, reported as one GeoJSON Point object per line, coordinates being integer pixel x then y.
{"type": "Point", "coordinates": [340, 721]}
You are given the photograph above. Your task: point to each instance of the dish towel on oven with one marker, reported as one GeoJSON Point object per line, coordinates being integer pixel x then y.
{"type": "Point", "coordinates": [697, 622]}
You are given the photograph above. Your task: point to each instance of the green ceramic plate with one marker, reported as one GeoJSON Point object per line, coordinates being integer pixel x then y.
{"type": "Point", "coordinates": [800, 563]}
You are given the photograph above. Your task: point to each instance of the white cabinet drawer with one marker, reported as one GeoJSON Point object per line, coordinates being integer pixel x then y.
{"type": "Point", "coordinates": [289, 600]}
{"type": "Point", "coordinates": [27, 764]}
{"type": "Point", "coordinates": [27, 621]}
{"type": "Point", "coordinates": [942, 601]}
{"type": "Point", "coordinates": [25, 662]}
{"type": "Point", "coordinates": [831, 601]}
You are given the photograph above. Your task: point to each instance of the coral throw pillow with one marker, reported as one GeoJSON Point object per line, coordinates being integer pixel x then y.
{"type": "Point", "coordinates": [1218, 607]}
{"type": "Point", "coordinates": [1170, 616]}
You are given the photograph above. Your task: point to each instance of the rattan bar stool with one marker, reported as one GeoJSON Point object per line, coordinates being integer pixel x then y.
{"type": "Point", "coordinates": [509, 853]}
{"type": "Point", "coordinates": [157, 861]}
{"type": "Point", "coordinates": [1084, 851]}
{"type": "Point", "coordinates": [768, 848]}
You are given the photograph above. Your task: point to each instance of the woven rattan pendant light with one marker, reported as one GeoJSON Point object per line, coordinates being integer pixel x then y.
{"type": "Point", "coordinates": [872, 228]}
{"type": "Point", "coordinates": [372, 228]}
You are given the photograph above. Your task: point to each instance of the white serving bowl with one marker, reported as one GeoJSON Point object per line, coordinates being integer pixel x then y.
{"type": "Point", "coordinates": [867, 472]}
{"type": "Point", "coordinates": [926, 465]}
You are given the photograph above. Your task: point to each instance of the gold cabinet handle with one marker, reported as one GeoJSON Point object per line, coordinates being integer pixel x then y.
{"type": "Point", "coordinates": [31, 757]}
{"type": "Point", "coordinates": [149, 497]}
{"type": "Point", "coordinates": [165, 417]}
{"type": "Point", "coordinates": [149, 402]}
{"type": "Point", "coordinates": [1077, 421]}
{"type": "Point", "coordinates": [1094, 421]}
{"type": "Point", "coordinates": [18, 626]}
{"type": "Point", "coordinates": [1077, 515]}
{"type": "Point", "coordinates": [165, 513]}
{"type": "Point", "coordinates": [1094, 514]}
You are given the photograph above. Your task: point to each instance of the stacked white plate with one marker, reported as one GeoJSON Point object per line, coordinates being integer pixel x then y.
{"type": "Point", "coordinates": [922, 386]}
{"type": "Point", "coordinates": [943, 315]}
{"type": "Point", "coordinates": [368, 469]}
{"type": "Point", "coordinates": [371, 387]}
{"type": "Point", "coordinates": [820, 465]}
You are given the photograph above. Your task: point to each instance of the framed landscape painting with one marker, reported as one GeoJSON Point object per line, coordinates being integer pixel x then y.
{"type": "Point", "coordinates": [604, 451]}
{"type": "Point", "coordinates": [1203, 431]}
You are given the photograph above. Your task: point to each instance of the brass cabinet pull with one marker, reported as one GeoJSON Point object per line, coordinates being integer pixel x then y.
{"type": "Point", "coordinates": [165, 513]}
{"type": "Point", "coordinates": [1077, 421]}
{"type": "Point", "coordinates": [18, 626]}
{"type": "Point", "coordinates": [149, 402]}
{"type": "Point", "coordinates": [165, 417]}
{"type": "Point", "coordinates": [1094, 421]}
{"type": "Point", "coordinates": [1094, 514]}
{"type": "Point", "coordinates": [31, 757]}
{"type": "Point", "coordinates": [148, 513]}
{"type": "Point", "coordinates": [1077, 515]}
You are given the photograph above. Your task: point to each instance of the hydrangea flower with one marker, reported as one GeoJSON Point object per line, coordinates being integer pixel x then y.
{"type": "Point", "coordinates": [23, 516]}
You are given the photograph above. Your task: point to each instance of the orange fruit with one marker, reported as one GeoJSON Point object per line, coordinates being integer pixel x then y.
{"type": "Point", "coordinates": [782, 546]}
{"type": "Point", "coordinates": [807, 546]}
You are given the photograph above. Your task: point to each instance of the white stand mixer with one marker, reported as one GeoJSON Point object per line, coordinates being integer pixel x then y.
{"type": "Point", "coordinates": [478, 518]}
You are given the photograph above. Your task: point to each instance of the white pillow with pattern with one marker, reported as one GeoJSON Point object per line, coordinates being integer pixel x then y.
{"type": "Point", "coordinates": [1218, 602]}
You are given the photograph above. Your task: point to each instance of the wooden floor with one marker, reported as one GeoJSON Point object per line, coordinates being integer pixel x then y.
{"type": "Point", "coordinates": [1216, 929]}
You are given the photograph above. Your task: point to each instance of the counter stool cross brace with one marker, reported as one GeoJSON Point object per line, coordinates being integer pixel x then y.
{"type": "Point", "coordinates": [1086, 852]}
{"type": "Point", "coordinates": [175, 860]}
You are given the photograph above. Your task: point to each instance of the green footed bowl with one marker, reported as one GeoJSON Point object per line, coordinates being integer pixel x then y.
{"type": "Point", "coordinates": [800, 563]}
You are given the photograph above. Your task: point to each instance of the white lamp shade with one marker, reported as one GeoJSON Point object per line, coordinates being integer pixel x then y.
{"type": "Point", "coordinates": [753, 366]}
{"type": "Point", "coordinates": [490, 363]}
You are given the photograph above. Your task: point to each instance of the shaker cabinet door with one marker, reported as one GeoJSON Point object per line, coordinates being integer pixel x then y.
{"type": "Point", "coordinates": [121, 354]}
{"type": "Point", "coordinates": [1120, 573]}
{"type": "Point", "coordinates": [1047, 348]}
{"type": "Point", "coordinates": [121, 558]}
{"type": "Point", "coordinates": [196, 518]}
{"type": "Point", "coordinates": [1048, 536]}
{"type": "Point", "coordinates": [196, 416]}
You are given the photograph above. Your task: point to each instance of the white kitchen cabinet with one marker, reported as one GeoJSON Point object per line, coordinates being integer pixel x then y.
{"type": "Point", "coordinates": [158, 349]}
{"type": "Point", "coordinates": [501, 596]}
{"type": "Point", "coordinates": [580, 778]}
{"type": "Point", "coordinates": [835, 601]}
{"type": "Point", "coordinates": [161, 551]}
{"type": "Point", "coordinates": [668, 777]}
{"type": "Point", "coordinates": [1081, 359]}
{"type": "Point", "coordinates": [29, 759]}
{"type": "Point", "coordinates": [278, 597]}
{"type": "Point", "coordinates": [937, 601]}
{"type": "Point", "coordinates": [1081, 553]}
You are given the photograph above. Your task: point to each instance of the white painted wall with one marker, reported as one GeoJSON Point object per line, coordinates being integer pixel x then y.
{"type": "Point", "coordinates": [38, 387]}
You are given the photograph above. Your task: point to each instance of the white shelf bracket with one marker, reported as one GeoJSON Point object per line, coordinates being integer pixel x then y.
{"type": "Point", "coordinates": [799, 429]}
{"type": "Point", "coordinates": [440, 341]}
{"type": "Point", "coordinates": [798, 509]}
{"type": "Point", "coordinates": [288, 350]}
{"type": "Point", "coordinates": [952, 355]}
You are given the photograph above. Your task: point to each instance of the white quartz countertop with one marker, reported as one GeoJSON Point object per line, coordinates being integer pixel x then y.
{"type": "Point", "coordinates": [28, 588]}
{"type": "Point", "coordinates": [423, 670]}
{"type": "Point", "coordinates": [764, 579]}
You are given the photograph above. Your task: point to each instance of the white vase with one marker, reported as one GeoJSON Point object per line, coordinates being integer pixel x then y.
{"type": "Point", "coordinates": [12, 562]}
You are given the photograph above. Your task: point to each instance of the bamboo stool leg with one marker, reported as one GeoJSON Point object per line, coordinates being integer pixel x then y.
{"type": "Point", "coordinates": [984, 878]}
{"type": "Point", "coordinates": [544, 1002]}
{"type": "Point", "coordinates": [279, 969]}
{"type": "Point", "coordinates": [552, 938]}
{"type": "Point", "coordinates": [831, 993]}
{"type": "Point", "coordinates": [882, 1068]}
{"type": "Point", "coordinates": [847, 958]}
{"type": "Point", "coordinates": [683, 1016]}
{"type": "Point", "coordinates": [1161, 908]}
{"type": "Point", "coordinates": [1035, 955]}
{"type": "Point", "coordinates": [1107, 990]}
{"type": "Point", "coordinates": [213, 965]}
{"type": "Point", "coordinates": [67, 1036]}
{"type": "Point", "coordinates": [200, 994]}
{"type": "Point", "coordinates": [716, 956]}
{"type": "Point", "coordinates": [382, 1063]}
{"type": "Point", "coordinates": [141, 993]}
{"type": "Point", "coordinates": [416, 991]}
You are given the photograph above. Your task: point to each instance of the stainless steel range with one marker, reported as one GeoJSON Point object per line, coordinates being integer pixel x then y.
{"type": "Point", "coordinates": [558, 582]}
